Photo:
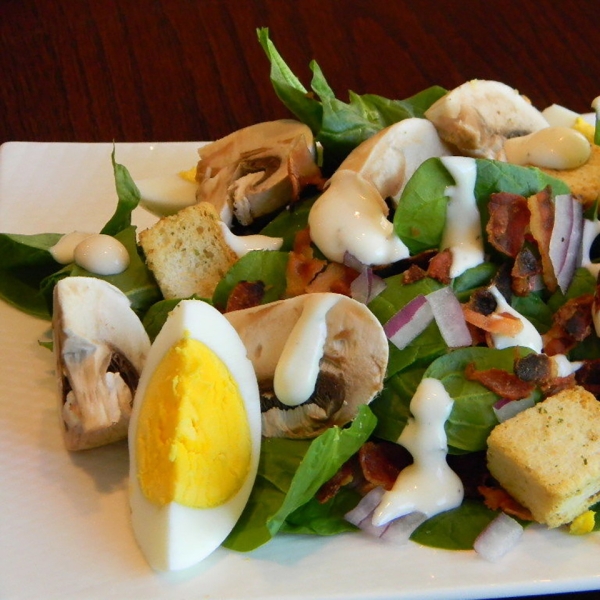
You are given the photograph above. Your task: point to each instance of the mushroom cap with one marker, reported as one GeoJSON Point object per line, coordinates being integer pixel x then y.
{"type": "Point", "coordinates": [351, 370]}
{"type": "Point", "coordinates": [100, 347]}
{"type": "Point", "coordinates": [477, 116]}
{"type": "Point", "coordinates": [254, 171]}
{"type": "Point", "coordinates": [390, 157]}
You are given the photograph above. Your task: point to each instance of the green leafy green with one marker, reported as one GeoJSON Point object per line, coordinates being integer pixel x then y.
{"type": "Point", "coordinates": [258, 265]}
{"type": "Point", "coordinates": [289, 475]}
{"type": "Point", "coordinates": [157, 314]}
{"type": "Point", "coordinates": [25, 261]}
{"type": "Point", "coordinates": [289, 222]}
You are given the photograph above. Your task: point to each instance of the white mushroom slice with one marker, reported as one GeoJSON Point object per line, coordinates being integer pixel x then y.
{"type": "Point", "coordinates": [479, 115]}
{"type": "Point", "coordinates": [256, 170]}
{"type": "Point", "coordinates": [100, 347]}
{"type": "Point", "coordinates": [389, 158]}
{"type": "Point", "coordinates": [330, 347]}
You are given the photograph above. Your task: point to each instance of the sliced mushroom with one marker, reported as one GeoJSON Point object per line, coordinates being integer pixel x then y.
{"type": "Point", "coordinates": [256, 170]}
{"type": "Point", "coordinates": [478, 116]}
{"type": "Point", "coordinates": [100, 347]}
{"type": "Point", "coordinates": [351, 360]}
{"type": "Point", "coordinates": [390, 157]}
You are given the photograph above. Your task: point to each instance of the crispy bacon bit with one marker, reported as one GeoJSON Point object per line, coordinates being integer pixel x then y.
{"type": "Point", "coordinates": [541, 223]}
{"type": "Point", "coordinates": [500, 323]}
{"type": "Point", "coordinates": [524, 271]}
{"type": "Point", "coordinates": [483, 302]}
{"type": "Point", "coordinates": [535, 367]}
{"type": "Point", "coordinates": [413, 274]}
{"type": "Point", "coordinates": [302, 266]}
{"type": "Point", "coordinates": [343, 477]}
{"type": "Point", "coordinates": [572, 323]}
{"type": "Point", "coordinates": [381, 462]}
{"type": "Point", "coordinates": [245, 294]}
{"type": "Point", "coordinates": [334, 278]}
{"type": "Point", "coordinates": [504, 384]}
{"type": "Point", "coordinates": [552, 386]}
{"type": "Point", "coordinates": [496, 498]}
{"type": "Point", "coordinates": [588, 376]}
{"type": "Point", "coordinates": [508, 222]}
{"type": "Point", "coordinates": [439, 267]}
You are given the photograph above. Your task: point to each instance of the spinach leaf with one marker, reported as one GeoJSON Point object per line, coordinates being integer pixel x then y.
{"type": "Point", "coordinates": [258, 265]}
{"type": "Point", "coordinates": [289, 475]}
{"type": "Point", "coordinates": [25, 261]}
{"type": "Point", "coordinates": [455, 529]}
{"type": "Point", "coordinates": [289, 222]}
{"type": "Point", "coordinates": [472, 417]}
{"type": "Point", "coordinates": [157, 314]}
{"type": "Point", "coordinates": [128, 198]}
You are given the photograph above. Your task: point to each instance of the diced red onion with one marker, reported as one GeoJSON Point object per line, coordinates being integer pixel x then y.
{"type": "Point", "coordinates": [498, 538]}
{"type": "Point", "coordinates": [368, 503]}
{"type": "Point", "coordinates": [351, 261]}
{"type": "Point", "coordinates": [565, 240]}
{"type": "Point", "coordinates": [505, 409]}
{"type": "Point", "coordinates": [409, 322]}
{"type": "Point", "coordinates": [366, 286]}
{"type": "Point", "coordinates": [399, 530]}
{"type": "Point", "coordinates": [449, 317]}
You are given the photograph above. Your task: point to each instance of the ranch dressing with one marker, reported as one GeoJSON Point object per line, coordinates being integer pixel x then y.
{"type": "Point", "coordinates": [298, 367]}
{"type": "Point", "coordinates": [462, 233]}
{"type": "Point", "coordinates": [242, 244]}
{"type": "Point", "coordinates": [527, 337]}
{"type": "Point", "coordinates": [63, 251]}
{"type": "Point", "coordinates": [551, 147]}
{"type": "Point", "coordinates": [428, 485]}
{"type": "Point", "coordinates": [351, 216]}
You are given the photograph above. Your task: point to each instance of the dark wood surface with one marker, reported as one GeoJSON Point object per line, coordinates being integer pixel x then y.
{"type": "Point", "coordinates": [170, 70]}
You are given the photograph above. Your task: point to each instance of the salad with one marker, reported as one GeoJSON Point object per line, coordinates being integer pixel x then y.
{"type": "Point", "coordinates": [298, 487]}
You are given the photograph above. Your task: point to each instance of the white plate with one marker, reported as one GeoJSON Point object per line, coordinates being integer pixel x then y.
{"type": "Point", "coordinates": [64, 527]}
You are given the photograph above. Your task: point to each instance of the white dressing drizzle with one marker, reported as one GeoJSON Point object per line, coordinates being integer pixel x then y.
{"type": "Point", "coordinates": [551, 147]}
{"type": "Point", "coordinates": [564, 367]}
{"type": "Point", "coordinates": [298, 366]}
{"type": "Point", "coordinates": [64, 250]}
{"type": "Point", "coordinates": [101, 254]}
{"type": "Point", "coordinates": [528, 337]}
{"type": "Point", "coordinates": [428, 485]}
{"type": "Point", "coordinates": [351, 216]}
{"type": "Point", "coordinates": [242, 244]}
{"type": "Point", "coordinates": [462, 233]}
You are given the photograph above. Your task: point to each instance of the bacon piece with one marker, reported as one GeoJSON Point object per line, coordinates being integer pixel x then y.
{"type": "Point", "coordinates": [588, 376]}
{"type": "Point", "coordinates": [571, 324]}
{"type": "Point", "coordinates": [439, 267]}
{"type": "Point", "coordinates": [524, 271]}
{"type": "Point", "coordinates": [334, 278]}
{"type": "Point", "coordinates": [302, 266]}
{"type": "Point", "coordinates": [413, 274]}
{"type": "Point", "coordinates": [508, 222]}
{"type": "Point", "coordinates": [496, 498]}
{"type": "Point", "coordinates": [381, 462]}
{"type": "Point", "coordinates": [535, 367]}
{"type": "Point", "coordinates": [245, 294]}
{"type": "Point", "coordinates": [541, 223]}
{"type": "Point", "coordinates": [504, 384]}
{"type": "Point", "coordinates": [344, 476]}
{"type": "Point", "coordinates": [501, 323]}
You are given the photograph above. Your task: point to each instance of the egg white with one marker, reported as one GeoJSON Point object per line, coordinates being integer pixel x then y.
{"type": "Point", "coordinates": [174, 537]}
{"type": "Point", "coordinates": [165, 195]}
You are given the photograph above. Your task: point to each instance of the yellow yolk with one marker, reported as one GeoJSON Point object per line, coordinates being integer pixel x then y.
{"type": "Point", "coordinates": [193, 443]}
{"type": "Point", "coordinates": [583, 523]}
{"type": "Point", "coordinates": [585, 128]}
{"type": "Point", "coordinates": [189, 175]}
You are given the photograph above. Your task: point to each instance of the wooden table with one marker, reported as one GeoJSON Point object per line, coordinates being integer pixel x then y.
{"type": "Point", "coordinates": [169, 70]}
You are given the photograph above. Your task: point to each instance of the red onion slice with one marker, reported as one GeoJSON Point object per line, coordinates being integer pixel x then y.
{"type": "Point", "coordinates": [566, 238]}
{"type": "Point", "coordinates": [505, 409]}
{"type": "Point", "coordinates": [409, 322]}
{"type": "Point", "coordinates": [399, 530]}
{"type": "Point", "coordinates": [449, 317]}
{"type": "Point", "coordinates": [368, 503]}
{"type": "Point", "coordinates": [498, 538]}
{"type": "Point", "coordinates": [366, 286]}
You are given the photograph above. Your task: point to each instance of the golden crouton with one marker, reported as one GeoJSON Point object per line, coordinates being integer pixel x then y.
{"type": "Point", "coordinates": [187, 252]}
{"type": "Point", "coordinates": [548, 456]}
{"type": "Point", "coordinates": [584, 181]}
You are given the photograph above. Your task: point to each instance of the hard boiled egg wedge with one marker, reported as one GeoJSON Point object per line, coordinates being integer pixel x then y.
{"type": "Point", "coordinates": [165, 195]}
{"type": "Point", "coordinates": [194, 438]}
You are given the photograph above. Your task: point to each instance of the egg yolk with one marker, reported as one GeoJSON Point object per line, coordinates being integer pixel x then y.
{"type": "Point", "coordinates": [193, 441]}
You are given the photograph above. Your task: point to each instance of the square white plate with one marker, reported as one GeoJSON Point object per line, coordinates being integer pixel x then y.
{"type": "Point", "coordinates": [64, 526]}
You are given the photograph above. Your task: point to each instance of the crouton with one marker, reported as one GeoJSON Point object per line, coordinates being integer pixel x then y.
{"type": "Point", "coordinates": [187, 252]}
{"type": "Point", "coordinates": [548, 456]}
{"type": "Point", "coordinates": [584, 181]}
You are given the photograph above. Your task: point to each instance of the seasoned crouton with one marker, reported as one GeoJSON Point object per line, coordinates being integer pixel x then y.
{"type": "Point", "coordinates": [187, 252]}
{"type": "Point", "coordinates": [548, 456]}
{"type": "Point", "coordinates": [584, 181]}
